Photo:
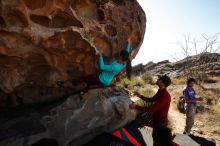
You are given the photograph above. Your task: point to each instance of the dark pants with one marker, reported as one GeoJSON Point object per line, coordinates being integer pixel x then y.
{"type": "Point", "coordinates": [190, 117]}
{"type": "Point", "coordinates": [162, 136]}
{"type": "Point", "coordinates": [92, 81]}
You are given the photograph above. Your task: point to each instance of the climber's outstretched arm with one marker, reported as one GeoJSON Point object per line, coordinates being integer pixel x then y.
{"type": "Point", "coordinates": [128, 48]}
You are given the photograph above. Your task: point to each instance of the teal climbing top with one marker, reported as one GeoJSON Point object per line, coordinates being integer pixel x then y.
{"type": "Point", "coordinates": [111, 70]}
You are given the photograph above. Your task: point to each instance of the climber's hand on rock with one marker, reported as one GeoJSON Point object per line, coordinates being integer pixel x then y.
{"type": "Point", "coordinates": [129, 40]}
{"type": "Point", "coordinates": [132, 106]}
{"type": "Point", "coordinates": [99, 53]}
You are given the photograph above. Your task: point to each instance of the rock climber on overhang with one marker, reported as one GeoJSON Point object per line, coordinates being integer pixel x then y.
{"type": "Point", "coordinates": [107, 71]}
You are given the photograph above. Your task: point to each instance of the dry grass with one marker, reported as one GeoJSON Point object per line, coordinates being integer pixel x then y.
{"type": "Point", "coordinates": [217, 78]}
{"type": "Point", "coordinates": [131, 84]}
{"type": "Point", "coordinates": [207, 121]}
{"type": "Point", "coordinates": [208, 125]}
{"type": "Point", "coordinates": [147, 78]}
{"type": "Point", "coordinates": [216, 109]}
{"type": "Point", "coordinates": [179, 81]}
{"type": "Point", "coordinates": [176, 90]}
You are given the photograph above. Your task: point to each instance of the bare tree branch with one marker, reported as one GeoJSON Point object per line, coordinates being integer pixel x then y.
{"type": "Point", "coordinates": [206, 45]}
{"type": "Point", "coordinates": [175, 57]}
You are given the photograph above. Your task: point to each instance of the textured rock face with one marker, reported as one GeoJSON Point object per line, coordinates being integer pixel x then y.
{"type": "Point", "coordinates": [74, 122]}
{"type": "Point", "coordinates": [208, 63]}
{"type": "Point", "coordinates": [42, 41]}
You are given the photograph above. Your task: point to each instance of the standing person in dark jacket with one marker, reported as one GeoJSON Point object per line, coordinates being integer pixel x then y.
{"type": "Point", "coordinates": [160, 107]}
{"type": "Point", "coordinates": [191, 100]}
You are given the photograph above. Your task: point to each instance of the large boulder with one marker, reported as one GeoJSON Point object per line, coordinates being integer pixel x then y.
{"type": "Point", "coordinates": [74, 122]}
{"type": "Point", "coordinates": [43, 41]}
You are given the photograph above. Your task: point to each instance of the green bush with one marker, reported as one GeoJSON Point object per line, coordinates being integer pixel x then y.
{"type": "Point", "coordinates": [147, 78]}
{"type": "Point", "coordinates": [169, 66]}
{"type": "Point", "coordinates": [200, 76]}
{"type": "Point", "coordinates": [147, 92]}
{"type": "Point", "coordinates": [141, 102]}
{"type": "Point", "coordinates": [134, 82]}
{"type": "Point", "coordinates": [179, 80]}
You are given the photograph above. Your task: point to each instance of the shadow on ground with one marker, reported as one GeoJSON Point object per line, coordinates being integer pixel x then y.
{"type": "Point", "coordinates": [202, 141]}
{"type": "Point", "coordinates": [184, 140]}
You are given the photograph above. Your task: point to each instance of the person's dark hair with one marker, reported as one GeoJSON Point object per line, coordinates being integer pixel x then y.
{"type": "Point", "coordinates": [165, 79]}
{"type": "Point", "coordinates": [163, 136]}
{"type": "Point", "coordinates": [190, 80]}
{"type": "Point", "coordinates": [125, 57]}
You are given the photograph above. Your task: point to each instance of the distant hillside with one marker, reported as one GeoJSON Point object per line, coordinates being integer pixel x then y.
{"type": "Point", "coordinates": [208, 63]}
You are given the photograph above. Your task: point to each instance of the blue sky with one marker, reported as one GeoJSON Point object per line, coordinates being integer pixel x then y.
{"type": "Point", "coordinates": [169, 20]}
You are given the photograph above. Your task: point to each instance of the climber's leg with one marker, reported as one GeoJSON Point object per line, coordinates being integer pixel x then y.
{"type": "Point", "coordinates": [72, 83]}
{"type": "Point", "coordinates": [93, 82]}
{"type": "Point", "coordinates": [3, 98]}
{"type": "Point", "coordinates": [162, 137]}
{"type": "Point", "coordinates": [13, 101]}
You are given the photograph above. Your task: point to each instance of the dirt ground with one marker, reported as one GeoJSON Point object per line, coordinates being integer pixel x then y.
{"type": "Point", "coordinates": [206, 124]}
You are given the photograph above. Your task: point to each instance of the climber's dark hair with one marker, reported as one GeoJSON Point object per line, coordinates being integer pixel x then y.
{"type": "Point", "coordinates": [128, 69]}
{"type": "Point", "coordinates": [165, 79]}
{"type": "Point", "coordinates": [190, 80]}
{"type": "Point", "coordinates": [125, 57]}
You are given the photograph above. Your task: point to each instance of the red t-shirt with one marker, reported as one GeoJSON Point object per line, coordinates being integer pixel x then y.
{"type": "Point", "coordinates": [159, 109]}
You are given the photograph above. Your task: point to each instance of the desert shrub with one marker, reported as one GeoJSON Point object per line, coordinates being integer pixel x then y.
{"type": "Point", "coordinates": [200, 76]}
{"type": "Point", "coordinates": [137, 82]}
{"type": "Point", "coordinates": [168, 66]}
{"type": "Point", "coordinates": [216, 108]}
{"type": "Point", "coordinates": [147, 78]}
{"type": "Point", "coordinates": [179, 80]}
{"type": "Point", "coordinates": [147, 92]}
{"type": "Point", "coordinates": [130, 84]}
{"type": "Point", "coordinates": [141, 102]}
